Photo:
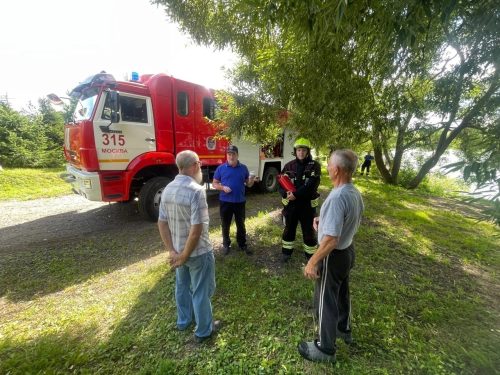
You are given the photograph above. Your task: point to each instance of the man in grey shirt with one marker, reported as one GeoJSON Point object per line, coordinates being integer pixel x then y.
{"type": "Point", "coordinates": [183, 226]}
{"type": "Point", "coordinates": [330, 266]}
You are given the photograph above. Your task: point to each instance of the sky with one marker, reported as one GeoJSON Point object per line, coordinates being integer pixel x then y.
{"type": "Point", "coordinates": [49, 46]}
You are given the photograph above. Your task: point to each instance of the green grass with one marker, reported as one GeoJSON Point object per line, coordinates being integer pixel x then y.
{"type": "Point", "coordinates": [25, 184]}
{"type": "Point", "coordinates": [424, 295]}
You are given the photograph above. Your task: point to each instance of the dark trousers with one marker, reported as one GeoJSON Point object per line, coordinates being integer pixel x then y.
{"type": "Point", "coordinates": [367, 165]}
{"type": "Point", "coordinates": [332, 298]}
{"type": "Point", "coordinates": [227, 210]}
{"type": "Point", "coordinates": [295, 214]}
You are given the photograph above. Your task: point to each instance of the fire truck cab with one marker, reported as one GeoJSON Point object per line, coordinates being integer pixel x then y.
{"type": "Point", "coordinates": [122, 142]}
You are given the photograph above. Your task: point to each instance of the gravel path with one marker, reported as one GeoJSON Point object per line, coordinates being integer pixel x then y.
{"type": "Point", "coordinates": [24, 223]}
{"type": "Point", "coordinates": [71, 217]}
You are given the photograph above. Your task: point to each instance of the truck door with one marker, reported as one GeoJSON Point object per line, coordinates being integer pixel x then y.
{"type": "Point", "coordinates": [119, 143]}
{"type": "Point", "coordinates": [209, 148]}
{"type": "Point", "coordinates": [183, 116]}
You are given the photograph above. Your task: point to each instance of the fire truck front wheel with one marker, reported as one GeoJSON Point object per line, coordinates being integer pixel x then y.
{"type": "Point", "coordinates": [150, 197]}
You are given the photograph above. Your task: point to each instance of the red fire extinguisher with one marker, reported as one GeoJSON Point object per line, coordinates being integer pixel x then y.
{"type": "Point", "coordinates": [286, 183]}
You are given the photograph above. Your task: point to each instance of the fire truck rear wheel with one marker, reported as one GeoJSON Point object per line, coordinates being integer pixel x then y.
{"type": "Point", "coordinates": [150, 197]}
{"type": "Point", "coordinates": [269, 181]}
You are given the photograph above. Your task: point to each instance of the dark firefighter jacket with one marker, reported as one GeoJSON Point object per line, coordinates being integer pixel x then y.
{"type": "Point", "coordinates": [305, 175]}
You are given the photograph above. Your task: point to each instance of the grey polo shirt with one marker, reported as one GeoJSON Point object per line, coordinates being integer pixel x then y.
{"type": "Point", "coordinates": [340, 215]}
{"type": "Point", "coordinates": [183, 204]}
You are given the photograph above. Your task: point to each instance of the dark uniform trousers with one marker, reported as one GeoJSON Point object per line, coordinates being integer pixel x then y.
{"type": "Point", "coordinates": [227, 210]}
{"type": "Point", "coordinates": [366, 165]}
{"type": "Point", "coordinates": [294, 213]}
{"type": "Point", "coordinates": [332, 298]}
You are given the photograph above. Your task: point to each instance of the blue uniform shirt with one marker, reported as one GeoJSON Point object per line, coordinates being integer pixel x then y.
{"type": "Point", "coordinates": [235, 178]}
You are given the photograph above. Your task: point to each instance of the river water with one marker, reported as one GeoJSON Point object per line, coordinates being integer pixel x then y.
{"type": "Point", "coordinates": [415, 158]}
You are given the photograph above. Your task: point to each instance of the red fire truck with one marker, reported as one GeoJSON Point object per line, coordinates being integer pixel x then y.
{"type": "Point", "coordinates": [122, 142]}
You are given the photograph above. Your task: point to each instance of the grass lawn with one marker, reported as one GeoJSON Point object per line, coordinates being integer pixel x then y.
{"type": "Point", "coordinates": [424, 296]}
{"type": "Point", "coordinates": [24, 183]}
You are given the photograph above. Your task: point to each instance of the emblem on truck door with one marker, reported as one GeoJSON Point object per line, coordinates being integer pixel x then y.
{"type": "Point", "coordinates": [211, 143]}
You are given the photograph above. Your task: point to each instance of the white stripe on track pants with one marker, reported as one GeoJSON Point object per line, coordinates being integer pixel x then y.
{"type": "Point", "coordinates": [332, 298]}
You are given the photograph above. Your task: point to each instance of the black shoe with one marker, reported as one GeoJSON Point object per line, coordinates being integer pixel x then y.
{"type": "Point", "coordinates": [226, 250]}
{"type": "Point", "coordinates": [310, 351]}
{"type": "Point", "coordinates": [285, 258]}
{"type": "Point", "coordinates": [216, 324]}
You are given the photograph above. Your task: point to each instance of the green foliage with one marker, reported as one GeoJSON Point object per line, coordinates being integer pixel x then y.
{"type": "Point", "coordinates": [481, 149]}
{"type": "Point", "coordinates": [439, 185]}
{"type": "Point", "coordinates": [401, 74]}
{"type": "Point", "coordinates": [31, 140]}
{"type": "Point", "coordinates": [247, 118]}
{"type": "Point", "coordinates": [406, 175]}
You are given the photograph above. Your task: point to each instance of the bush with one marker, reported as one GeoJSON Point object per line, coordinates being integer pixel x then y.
{"type": "Point", "coordinates": [406, 174]}
{"type": "Point", "coordinates": [434, 183]}
{"type": "Point", "coordinates": [31, 140]}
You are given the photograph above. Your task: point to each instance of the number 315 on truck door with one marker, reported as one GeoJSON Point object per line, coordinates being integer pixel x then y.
{"type": "Point", "coordinates": [113, 139]}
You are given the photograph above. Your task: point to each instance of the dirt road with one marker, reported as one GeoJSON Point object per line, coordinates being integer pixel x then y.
{"type": "Point", "coordinates": [72, 217]}
{"type": "Point", "coordinates": [28, 223]}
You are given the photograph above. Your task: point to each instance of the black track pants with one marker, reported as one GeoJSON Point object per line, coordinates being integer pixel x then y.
{"type": "Point", "coordinates": [331, 297]}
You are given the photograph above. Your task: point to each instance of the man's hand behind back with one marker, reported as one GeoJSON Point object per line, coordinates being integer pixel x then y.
{"type": "Point", "coordinates": [175, 260]}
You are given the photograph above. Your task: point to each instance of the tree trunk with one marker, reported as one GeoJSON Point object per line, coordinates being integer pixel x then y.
{"type": "Point", "coordinates": [398, 153]}
{"type": "Point", "coordinates": [396, 164]}
{"type": "Point", "coordinates": [428, 165]}
{"type": "Point", "coordinates": [378, 155]}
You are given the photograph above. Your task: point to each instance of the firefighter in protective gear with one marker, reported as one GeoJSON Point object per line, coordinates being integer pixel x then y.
{"type": "Point", "coordinates": [300, 206]}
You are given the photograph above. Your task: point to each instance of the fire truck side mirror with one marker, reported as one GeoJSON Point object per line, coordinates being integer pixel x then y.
{"type": "Point", "coordinates": [114, 104]}
{"type": "Point", "coordinates": [115, 117]}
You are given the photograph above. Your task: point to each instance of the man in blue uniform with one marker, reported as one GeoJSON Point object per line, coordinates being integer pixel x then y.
{"type": "Point", "coordinates": [367, 163]}
{"type": "Point", "coordinates": [230, 179]}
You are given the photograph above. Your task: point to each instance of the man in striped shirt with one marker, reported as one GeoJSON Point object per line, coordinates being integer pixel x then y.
{"type": "Point", "coordinates": [183, 226]}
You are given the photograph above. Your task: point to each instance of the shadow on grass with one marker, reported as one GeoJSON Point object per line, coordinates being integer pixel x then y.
{"type": "Point", "coordinates": [406, 309]}
{"type": "Point", "coordinates": [146, 336]}
{"type": "Point", "coordinates": [423, 307]}
{"type": "Point", "coordinates": [257, 313]}
{"type": "Point", "coordinates": [52, 253]}
{"type": "Point", "coordinates": [59, 352]}
{"type": "Point", "coordinates": [49, 254]}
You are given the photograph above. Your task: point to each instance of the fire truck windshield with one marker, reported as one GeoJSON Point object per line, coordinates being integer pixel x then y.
{"type": "Point", "coordinates": [86, 103]}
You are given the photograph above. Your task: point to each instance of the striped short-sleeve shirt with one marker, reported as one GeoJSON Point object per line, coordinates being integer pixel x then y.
{"type": "Point", "coordinates": [183, 204]}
